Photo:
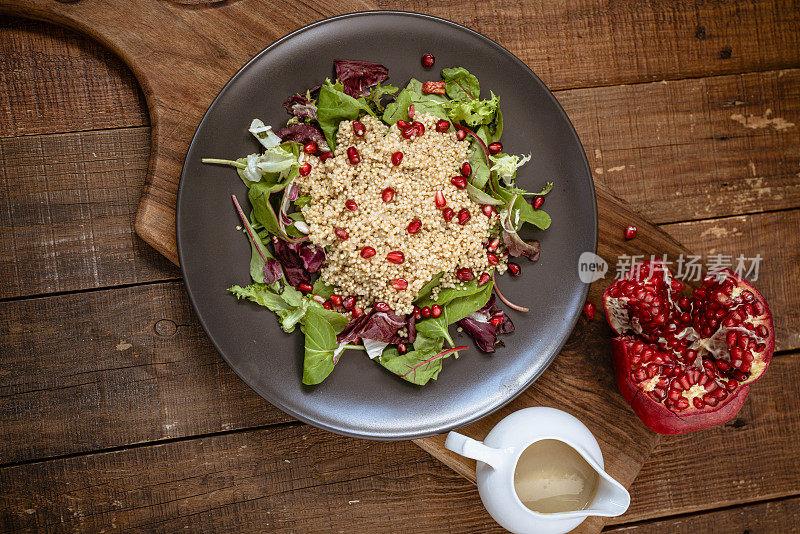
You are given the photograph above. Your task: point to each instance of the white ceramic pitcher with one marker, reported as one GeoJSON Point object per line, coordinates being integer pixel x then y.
{"type": "Point", "coordinates": [497, 458]}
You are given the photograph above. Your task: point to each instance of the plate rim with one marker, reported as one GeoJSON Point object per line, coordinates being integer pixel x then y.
{"type": "Point", "coordinates": [343, 430]}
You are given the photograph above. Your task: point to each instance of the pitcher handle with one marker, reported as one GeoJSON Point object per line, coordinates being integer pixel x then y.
{"type": "Point", "coordinates": [466, 446]}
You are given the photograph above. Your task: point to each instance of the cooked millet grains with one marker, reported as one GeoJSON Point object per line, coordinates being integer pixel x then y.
{"type": "Point", "coordinates": [429, 161]}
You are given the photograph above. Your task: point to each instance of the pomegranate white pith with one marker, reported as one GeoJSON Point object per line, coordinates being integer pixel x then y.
{"type": "Point", "coordinates": [684, 363]}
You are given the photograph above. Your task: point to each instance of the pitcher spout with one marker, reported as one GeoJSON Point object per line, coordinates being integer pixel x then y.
{"type": "Point", "coordinates": [611, 498]}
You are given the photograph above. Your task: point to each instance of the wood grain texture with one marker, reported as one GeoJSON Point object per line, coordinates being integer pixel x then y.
{"type": "Point", "coordinates": [585, 43]}
{"type": "Point", "coordinates": [67, 207]}
{"type": "Point", "coordinates": [696, 148]}
{"type": "Point", "coordinates": [297, 480]}
{"type": "Point", "coordinates": [300, 479]}
{"type": "Point", "coordinates": [56, 80]}
{"type": "Point", "coordinates": [762, 518]}
{"type": "Point", "coordinates": [113, 368]}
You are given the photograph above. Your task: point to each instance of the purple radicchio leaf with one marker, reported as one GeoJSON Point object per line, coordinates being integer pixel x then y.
{"type": "Point", "coordinates": [411, 326]}
{"type": "Point", "coordinates": [303, 133]}
{"type": "Point", "coordinates": [379, 326]}
{"type": "Point", "coordinates": [272, 271]}
{"type": "Point", "coordinates": [311, 255]}
{"type": "Point", "coordinates": [291, 262]}
{"type": "Point", "coordinates": [518, 247]}
{"type": "Point", "coordinates": [301, 106]}
{"type": "Point", "coordinates": [478, 325]}
{"type": "Point", "coordinates": [358, 76]}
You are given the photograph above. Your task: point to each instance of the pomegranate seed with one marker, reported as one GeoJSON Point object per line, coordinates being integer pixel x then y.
{"type": "Point", "coordinates": [439, 199]}
{"type": "Point", "coordinates": [463, 216]}
{"type": "Point", "coordinates": [496, 320]}
{"type": "Point", "coordinates": [488, 210]}
{"type": "Point", "coordinates": [381, 307]}
{"type": "Point", "coordinates": [401, 348]}
{"type": "Point", "coordinates": [630, 232]}
{"type": "Point", "coordinates": [397, 158]}
{"type": "Point", "coordinates": [357, 312]}
{"type": "Point", "coordinates": [411, 111]}
{"type": "Point", "coordinates": [351, 204]}
{"type": "Point", "coordinates": [326, 155]}
{"type": "Point", "coordinates": [698, 402]}
{"type": "Point", "coordinates": [418, 127]}
{"type": "Point", "coordinates": [588, 310]}
{"type": "Point", "coordinates": [305, 288]}
{"type": "Point", "coordinates": [396, 257]}
{"type": "Point", "coordinates": [448, 214]}
{"type": "Point", "coordinates": [426, 311]}
{"type": "Point", "coordinates": [414, 226]}
{"type": "Point", "coordinates": [442, 125]}
{"type": "Point", "coordinates": [399, 284]}
{"type": "Point", "coordinates": [417, 313]}
{"type": "Point", "coordinates": [358, 129]}
{"type": "Point", "coordinates": [403, 125]}
{"type": "Point", "coordinates": [348, 302]}
{"type": "Point", "coordinates": [335, 299]}
{"type": "Point", "coordinates": [327, 305]}
{"type": "Point", "coordinates": [387, 194]}
{"type": "Point", "coordinates": [459, 181]}
{"type": "Point", "coordinates": [492, 259]}
{"type": "Point", "coordinates": [427, 61]}
{"type": "Point", "coordinates": [310, 148]}
{"type": "Point", "coordinates": [352, 155]}
{"type": "Point", "coordinates": [514, 268]}
{"type": "Point", "coordinates": [305, 169]}
{"type": "Point", "coordinates": [466, 169]}
{"type": "Point", "coordinates": [731, 384]}
{"type": "Point", "coordinates": [682, 403]}
{"type": "Point", "coordinates": [483, 279]}
{"type": "Point", "coordinates": [493, 244]}
{"type": "Point", "coordinates": [436, 310]}
{"type": "Point", "coordinates": [495, 148]}
{"type": "Point", "coordinates": [341, 233]}
{"type": "Point", "coordinates": [367, 252]}
{"type": "Point", "coordinates": [461, 135]}
{"type": "Point", "coordinates": [465, 274]}
{"type": "Point", "coordinates": [762, 330]}
{"type": "Point", "coordinates": [538, 200]}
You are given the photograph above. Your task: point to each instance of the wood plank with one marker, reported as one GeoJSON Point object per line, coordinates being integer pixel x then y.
{"type": "Point", "coordinates": [599, 42]}
{"type": "Point", "coordinates": [57, 80]}
{"type": "Point", "coordinates": [67, 208]}
{"type": "Point", "coordinates": [753, 457]}
{"type": "Point", "coordinates": [105, 369]}
{"type": "Point", "coordinates": [768, 517]}
{"type": "Point", "coordinates": [772, 235]}
{"type": "Point", "coordinates": [298, 478]}
{"type": "Point", "coordinates": [698, 148]}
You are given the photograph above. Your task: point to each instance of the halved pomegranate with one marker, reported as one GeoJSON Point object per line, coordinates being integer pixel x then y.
{"type": "Point", "coordinates": [685, 363]}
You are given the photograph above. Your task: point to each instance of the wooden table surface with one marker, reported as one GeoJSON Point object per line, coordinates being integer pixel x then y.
{"type": "Point", "coordinates": [118, 414]}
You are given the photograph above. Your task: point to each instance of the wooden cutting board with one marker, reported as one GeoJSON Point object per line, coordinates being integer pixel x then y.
{"type": "Point", "coordinates": [182, 53]}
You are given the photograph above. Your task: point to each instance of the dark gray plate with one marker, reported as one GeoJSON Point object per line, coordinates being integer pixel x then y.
{"type": "Point", "coordinates": [360, 398]}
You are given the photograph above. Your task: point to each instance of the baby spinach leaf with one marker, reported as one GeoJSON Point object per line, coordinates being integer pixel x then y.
{"type": "Point", "coordinates": [458, 308]}
{"type": "Point", "coordinates": [527, 214]}
{"type": "Point", "coordinates": [334, 318]}
{"type": "Point", "coordinates": [446, 294]}
{"type": "Point", "coordinates": [427, 288]}
{"type": "Point", "coordinates": [398, 109]}
{"type": "Point", "coordinates": [481, 197]}
{"type": "Point", "coordinates": [480, 169]}
{"type": "Point", "coordinates": [460, 84]}
{"type": "Point", "coordinates": [434, 328]}
{"type": "Point", "coordinates": [302, 201]}
{"type": "Point", "coordinates": [334, 106]}
{"type": "Point", "coordinates": [412, 94]}
{"type": "Point", "coordinates": [322, 289]}
{"type": "Point", "coordinates": [417, 366]}
{"type": "Point", "coordinates": [320, 344]}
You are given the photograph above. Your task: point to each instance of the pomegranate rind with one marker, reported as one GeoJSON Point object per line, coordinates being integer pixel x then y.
{"type": "Point", "coordinates": [654, 414]}
{"type": "Point", "coordinates": [658, 417]}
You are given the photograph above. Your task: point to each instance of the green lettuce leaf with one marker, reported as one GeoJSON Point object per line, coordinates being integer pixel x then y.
{"type": "Point", "coordinates": [334, 106]}
{"type": "Point", "coordinates": [320, 346]}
